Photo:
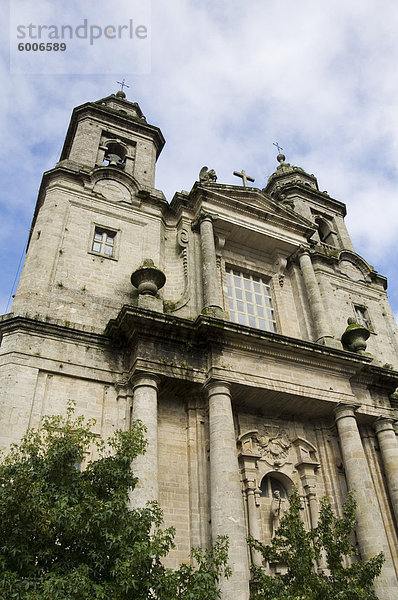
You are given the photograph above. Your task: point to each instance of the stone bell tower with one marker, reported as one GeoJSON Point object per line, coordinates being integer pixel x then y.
{"type": "Point", "coordinates": [113, 132]}
{"type": "Point", "coordinates": [74, 269]}
{"type": "Point", "coordinates": [220, 321]}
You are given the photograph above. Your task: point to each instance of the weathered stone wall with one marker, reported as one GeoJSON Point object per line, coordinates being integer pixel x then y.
{"type": "Point", "coordinates": [225, 405]}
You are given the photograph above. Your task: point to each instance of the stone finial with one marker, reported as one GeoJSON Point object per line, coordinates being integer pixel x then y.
{"type": "Point", "coordinates": [120, 94]}
{"type": "Point", "coordinates": [355, 336]}
{"type": "Point", "coordinates": [148, 279]}
{"type": "Point", "coordinates": [281, 158]}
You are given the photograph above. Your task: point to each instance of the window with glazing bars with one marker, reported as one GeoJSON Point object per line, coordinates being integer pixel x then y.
{"type": "Point", "coordinates": [104, 242]}
{"type": "Point", "coordinates": [249, 300]}
{"type": "Point", "coordinates": [362, 316]}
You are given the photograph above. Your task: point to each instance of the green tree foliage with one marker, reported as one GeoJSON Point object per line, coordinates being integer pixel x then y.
{"type": "Point", "coordinates": [67, 533]}
{"type": "Point", "coordinates": [298, 550]}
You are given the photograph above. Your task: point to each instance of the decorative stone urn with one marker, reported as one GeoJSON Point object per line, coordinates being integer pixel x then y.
{"type": "Point", "coordinates": [355, 336]}
{"type": "Point", "coordinates": [148, 279]}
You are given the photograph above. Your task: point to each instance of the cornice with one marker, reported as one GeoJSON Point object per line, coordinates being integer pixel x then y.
{"type": "Point", "coordinates": [190, 350]}
{"type": "Point", "coordinates": [65, 331]}
{"type": "Point", "coordinates": [133, 323]}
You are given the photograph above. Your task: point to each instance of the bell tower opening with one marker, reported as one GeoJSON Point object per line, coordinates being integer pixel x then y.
{"type": "Point", "coordinates": [115, 155]}
{"type": "Point", "coordinates": [326, 234]}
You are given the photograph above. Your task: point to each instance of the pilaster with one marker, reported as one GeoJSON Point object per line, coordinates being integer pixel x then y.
{"type": "Point", "coordinates": [124, 400]}
{"type": "Point", "coordinates": [307, 474]}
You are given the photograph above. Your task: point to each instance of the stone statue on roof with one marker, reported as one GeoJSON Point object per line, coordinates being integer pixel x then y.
{"type": "Point", "coordinates": [206, 176]}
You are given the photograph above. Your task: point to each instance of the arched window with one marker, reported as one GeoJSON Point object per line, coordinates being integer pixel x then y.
{"type": "Point", "coordinates": [325, 231]}
{"type": "Point", "coordinates": [115, 155]}
{"type": "Point", "coordinates": [269, 485]}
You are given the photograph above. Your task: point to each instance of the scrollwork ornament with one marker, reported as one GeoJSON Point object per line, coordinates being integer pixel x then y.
{"type": "Point", "coordinates": [183, 238]}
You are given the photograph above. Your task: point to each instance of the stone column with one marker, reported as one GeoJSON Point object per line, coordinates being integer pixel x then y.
{"type": "Point", "coordinates": [212, 304]}
{"type": "Point", "coordinates": [226, 502]}
{"type": "Point", "coordinates": [317, 309]}
{"type": "Point", "coordinates": [145, 466]}
{"type": "Point", "coordinates": [389, 452]}
{"type": "Point", "coordinates": [370, 530]}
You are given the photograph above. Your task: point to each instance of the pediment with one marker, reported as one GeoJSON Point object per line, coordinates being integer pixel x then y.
{"type": "Point", "coordinates": [253, 200]}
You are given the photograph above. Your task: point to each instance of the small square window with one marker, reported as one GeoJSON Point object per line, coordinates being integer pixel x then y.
{"type": "Point", "coordinates": [104, 242]}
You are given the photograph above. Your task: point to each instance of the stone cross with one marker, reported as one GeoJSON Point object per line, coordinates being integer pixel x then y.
{"type": "Point", "coordinates": [122, 84]}
{"type": "Point", "coordinates": [244, 177]}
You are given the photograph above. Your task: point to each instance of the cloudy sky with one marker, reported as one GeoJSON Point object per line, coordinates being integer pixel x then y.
{"type": "Point", "coordinates": [223, 79]}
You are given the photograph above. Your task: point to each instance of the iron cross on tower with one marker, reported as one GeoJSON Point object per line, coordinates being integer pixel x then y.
{"type": "Point", "coordinates": [245, 178]}
{"type": "Point", "coordinates": [122, 84]}
{"type": "Point", "coordinates": [278, 146]}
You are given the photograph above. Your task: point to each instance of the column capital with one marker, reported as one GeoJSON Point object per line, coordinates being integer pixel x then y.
{"type": "Point", "coordinates": [250, 484]}
{"type": "Point", "coordinates": [302, 250]}
{"type": "Point", "coordinates": [123, 388]}
{"type": "Point", "coordinates": [384, 424]}
{"type": "Point", "coordinates": [307, 466]}
{"type": "Point", "coordinates": [217, 386]}
{"type": "Point", "coordinates": [145, 379]}
{"type": "Point", "coordinates": [345, 410]}
{"type": "Point", "coordinates": [299, 253]}
{"type": "Point", "coordinates": [203, 216]}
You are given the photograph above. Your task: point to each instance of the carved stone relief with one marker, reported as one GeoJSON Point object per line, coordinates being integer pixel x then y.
{"type": "Point", "coordinates": [351, 271]}
{"type": "Point", "coordinates": [182, 245]}
{"type": "Point", "coordinates": [279, 267]}
{"type": "Point", "coordinates": [271, 445]}
{"type": "Point", "coordinates": [274, 448]}
{"type": "Point", "coordinates": [113, 190]}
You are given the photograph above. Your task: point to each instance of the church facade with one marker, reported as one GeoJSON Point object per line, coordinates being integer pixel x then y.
{"type": "Point", "coordinates": [219, 320]}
